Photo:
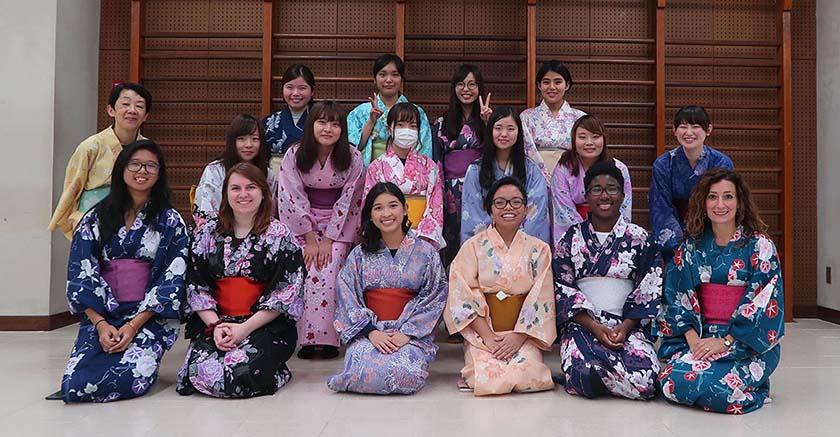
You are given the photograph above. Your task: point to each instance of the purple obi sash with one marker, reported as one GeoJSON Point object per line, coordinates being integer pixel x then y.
{"type": "Point", "coordinates": [718, 302]}
{"type": "Point", "coordinates": [128, 278]}
{"type": "Point", "coordinates": [322, 198]}
{"type": "Point", "coordinates": [455, 162]}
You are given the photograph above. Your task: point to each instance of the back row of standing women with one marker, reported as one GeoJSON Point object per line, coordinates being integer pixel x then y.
{"type": "Point", "coordinates": [453, 189]}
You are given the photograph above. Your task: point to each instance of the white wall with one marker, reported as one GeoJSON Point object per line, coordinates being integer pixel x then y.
{"type": "Point", "coordinates": [47, 105]}
{"type": "Point", "coordinates": [828, 151]}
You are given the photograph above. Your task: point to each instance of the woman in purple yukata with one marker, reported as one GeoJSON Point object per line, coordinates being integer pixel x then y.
{"type": "Point", "coordinates": [723, 305]}
{"type": "Point", "coordinates": [319, 199]}
{"type": "Point", "coordinates": [608, 283]}
{"type": "Point", "coordinates": [568, 190]}
{"type": "Point", "coordinates": [128, 260]}
{"type": "Point", "coordinates": [676, 172]}
{"type": "Point", "coordinates": [457, 140]}
{"type": "Point", "coordinates": [391, 293]}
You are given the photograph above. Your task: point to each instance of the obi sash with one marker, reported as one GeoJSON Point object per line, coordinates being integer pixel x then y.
{"type": "Point", "coordinates": [718, 302]}
{"type": "Point", "coordinates": [583, 209]}
{"type": "Point", "coordinates": [550, 157]}
{"type": "Point", "coordinates": [504, 312]}
{"type": "Point", "coordinates": [322, 198]}
{"type": "Point", "coordinates": [681, 205]}
{"type": "Point", "coordinates": [128, 278]}
{"type": "Point", "coordinates": [416, 208]}
{"type": "Point", "coordinates": [456, 162]}
{"type": "Point", "coordinates": [237, 295]}
{"type": "Point", "coordinates": [387, 303]}
{"type": "Point", "coordinates": [606, 294]}
{"type": "Point", "coordinates": [90, 198]}
{"type": "Point", "coordinates": [378, 147]}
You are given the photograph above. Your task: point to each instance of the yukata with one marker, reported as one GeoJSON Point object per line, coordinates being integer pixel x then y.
{"type": "Point", "coordinates": [378, 140]}
{"type": "Point", "coordinates": [454, 156]}
{"type": "Point", "coordinates": [474, 218]}
{"type": "Point", "coordinates": [486, 266]}
{"type": "Point", "coordinates": [670, 187]}
{"type": "Point", "coordinates": [281, 131]}
{"type": "Point", "coordinates": [547, 135]}
{"type": "Point", "coordinates": [271, 265]}
{"type": "Point", "coordinates": [93, 375]}
{"type": "Point", "coordinates": [208, 193]}
{"type": "Point", "coordinates": [418, 176]}
{"type": "Point", "coordinates": [87, 180]}
{"type": "Point", "coordinates": [613, 277]}
{"type": "Point", "coordinates": [701, 274]}
{"type": "Point", "coordinates": [568, 193]}
{"type": "Point", "coordinates": [415, 267]}
{"type": "Point", "coordinates": [327, 202]}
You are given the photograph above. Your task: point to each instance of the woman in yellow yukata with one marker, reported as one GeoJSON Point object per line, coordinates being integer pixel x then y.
{"type": "Point", "coordinates": [88, 176]}
{"type": "Point", "coordinates": [501, 299]}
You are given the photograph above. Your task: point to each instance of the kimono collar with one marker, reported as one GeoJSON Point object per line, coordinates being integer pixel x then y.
{"type": "Point", "coordinates": [564, 108]}
{"type": "Point", "coordinates": [709, 237]}
{"type": "Point", "coordinates": [408, 241]}
{"type": "Point", "coordinates": [617, 231]}
{"type": "Point", "coordinates": [412, 154]}
{"type": "Point", "coordinates": [112, 138]}
{"type": "Point", "coordinates": [498, 242]}
{"type": "Point", "coordinates": [380, 104]}
{"type": "Point", "coordinates": [287, 113]}
{"type": "Point", "coordinates": [702, 161]}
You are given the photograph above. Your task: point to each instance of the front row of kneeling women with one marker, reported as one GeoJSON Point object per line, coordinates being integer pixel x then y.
{"type": "Point", "coordinates": [720, 315]}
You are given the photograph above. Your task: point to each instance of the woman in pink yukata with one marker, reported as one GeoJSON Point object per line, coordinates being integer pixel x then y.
{"type": "Point", "coordinates": [320, 199]}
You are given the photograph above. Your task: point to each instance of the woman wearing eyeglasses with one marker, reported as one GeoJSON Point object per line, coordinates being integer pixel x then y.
{"type": "Point", "coordinates": [501, 299]}
{"type": "Point", "coordinates": [608, 283]}
{"type": "Point", "coordinates": [126, 275]}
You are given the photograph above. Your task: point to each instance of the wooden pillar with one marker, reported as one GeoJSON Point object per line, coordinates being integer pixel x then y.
{"type": "Point", "coordinates": [136, 45]}
{"type": "Point", "coordinates": [267, 44]}
{"type": "Point", "coordinates": [531, 59]}
{"type": "Point", "coordinates": [660, 77]}
{"type": "Point", "coordinates": [784, 8]}
{"type": "Point", "coordinates": [399, 38]}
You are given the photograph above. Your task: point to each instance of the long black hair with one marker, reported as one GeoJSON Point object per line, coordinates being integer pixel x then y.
{"type": "Point", "coordinates": [487, 173]}
{"type": "Point", "coordinates": [245, 125]}
{"type": "Point", "coordinates": [371, 235]}
{"type": "Point", "coordinates": [307, 153]}
{"type": "Point", "coordinates": [453, 119]}
{"type": "Point", "coordinates": [112, 208]}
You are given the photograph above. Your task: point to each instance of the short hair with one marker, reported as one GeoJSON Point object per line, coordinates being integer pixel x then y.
{"type": "Point", "coordinates": [132, 86]}
{"type": "Point", "coordinates": [557, 67]}
{"type": "Point", "coordinates": [382, 61]}
{"type": "Point", "coordinates": [592, 124]}
{"type": "Point", "coordinates": [601, 168]}
{"type": "Point", "coordinates": [692, 114]}
{"type": "Point", "coordinates": [298, 70]}
{"type": "Point", "coordinates": [504, 181]}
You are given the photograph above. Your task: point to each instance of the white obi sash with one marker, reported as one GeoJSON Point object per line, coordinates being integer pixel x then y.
{"type": "Point", "coordinates": [606, 294]}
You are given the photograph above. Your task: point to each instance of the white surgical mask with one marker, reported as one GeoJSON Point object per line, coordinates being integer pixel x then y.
{"type": "Point", "coordinates": [405, 138]}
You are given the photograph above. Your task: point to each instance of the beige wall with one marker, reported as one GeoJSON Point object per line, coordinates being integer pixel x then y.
{"type": "Point", "coordinates": [47, 105]}
{"type": "Point", "coordinates": [828, 151]}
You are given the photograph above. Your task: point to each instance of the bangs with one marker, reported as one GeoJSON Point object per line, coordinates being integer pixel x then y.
{"type": "Point", "coordinates": [692, 115]}
{"type": "Point", "coordinates": [243, 126]}
{"type": "Point", "coordinates": [592, 124]}
{"type": "Point", "coordinates": [404, 112]}
{"type": "Point", "coordinates": [326, 112]}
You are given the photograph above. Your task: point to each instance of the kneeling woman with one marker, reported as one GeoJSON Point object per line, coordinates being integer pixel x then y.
{"type": "Point", "coordinates": [722, 315]}
{"type": "Point", "coordinates": [126, 274]}
{"type": "Point", "coordinates": [501, 299]}
{"type": "Point", "coordinates": [391, 293]}
{"type": "Point", "coordinates": [608, 283]}
{"type": "Point", "coordinates": [244, 291]}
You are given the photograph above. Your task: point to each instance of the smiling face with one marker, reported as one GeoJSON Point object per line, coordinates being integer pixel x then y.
{"type": "Point", "coordinates": [691, 136]}
{"type": "Point", "coordinates": [722, 203]}
{"type": "Point", "coordinates": [244, 196]}
{"type": "Point", "coordinates": [297, 94]}
{"type": "Point", "coordinates": [588, 145]}
{"type": "Point", "coordinates": [248, 146]}
{"type": "Point", "coordinates": [388, 81]}
{"type": "Point", "coordinates": [141, 172]}
{"type": "Point", "coordinates": [553, 88]}
{"type": "Point", "coordinates": [129, 111]}
{"type": "Point", "coordinates": [508, 208]}
{"type": "Point", "coordinates": [604, 196]}
{"type": "Point", "coordinates": [505, 132]}
{"type": "Point", "coordinates": [387, 213]}
{"type": "Point", "coordinates": [467, 90]}
{"type": "Point", "coordinates": [327, 133]}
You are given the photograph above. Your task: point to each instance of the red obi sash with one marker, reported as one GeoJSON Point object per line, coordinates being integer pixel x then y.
{"type": "Point", "coordinates": [456, 162]}
{"type": "Point", "coordinates": [583, 210]}
{"type": "Point", "coordinates": [387, 303]}
{"type": "Point", "coordinates": [237, 295]}
{"type": "Point", "coordinates": [322, 198]}
{"type": "Point", "coordinates": [128, 278]}
{"type": "Point", "coordinates": [718, 302]}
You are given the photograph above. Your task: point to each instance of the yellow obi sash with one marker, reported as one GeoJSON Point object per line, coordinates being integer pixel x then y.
{"type": "Point", "coordinates": [504, 309]}
{"type": "Point", "coordinates": [378, 147]}
{"type": "Point", "coordinates": [416, 208]}
{"type": "Point", "coordinates": [550, 157]}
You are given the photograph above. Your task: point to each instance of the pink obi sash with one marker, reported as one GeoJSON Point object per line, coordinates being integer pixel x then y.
{"type": "Point", "coordinates": [583, 210]}
{"type": "Point", "coordinates": [128, 278]}
{"type": "Point", "coordinates": [455, 162]}
{"type": "Point", "coordinates": [236, 295]}
{"type": "Point", "coordinates": [718, 302]}
{"type": "Point", "coordinates": [323, 198]}
{"type": "Point", "coordinates": [388, 303]}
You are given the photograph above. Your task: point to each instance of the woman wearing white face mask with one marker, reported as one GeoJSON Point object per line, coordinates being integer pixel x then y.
{"type": "Point", "coordinates": [417, 175]}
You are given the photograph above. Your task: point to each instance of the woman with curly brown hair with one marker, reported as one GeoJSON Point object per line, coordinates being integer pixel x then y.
{"type": "Point", "coordinates": [722, 310]}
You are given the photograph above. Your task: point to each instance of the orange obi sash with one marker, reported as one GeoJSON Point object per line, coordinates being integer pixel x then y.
{"type": "Point", "coordinates": [237, 295]}
{"type": "Point", "coordinates": [504, 312]}
{"type": "Point", "coordinates": [387, 303]}
{"type": "Point", "coordinates": [718, 302]}
{"type": "Point", "coordinates": [583, 209]}
{"type": "Point", "coordinates": [416, 208]}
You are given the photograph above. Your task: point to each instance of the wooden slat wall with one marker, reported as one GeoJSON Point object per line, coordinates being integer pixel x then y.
{"type": "Point", "coordinates": [634, 63]}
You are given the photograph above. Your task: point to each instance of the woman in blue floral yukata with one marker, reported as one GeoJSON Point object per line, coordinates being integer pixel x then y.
{"type": "Point", "coordinates": [126, 276]}
{"type": "Point", "coordinates": [244, 292]}
{"type": "Point", "coordinates": [722, 311]}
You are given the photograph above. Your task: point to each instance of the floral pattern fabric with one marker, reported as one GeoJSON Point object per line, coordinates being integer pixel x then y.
{"type": "Point", "coordinates": [281, 131]}
{"type": "Point", "coordinates": [544, 130]}
{"type": "Point", "coordinates": [588, 365]}
{"type": "Point", "coordinates": [416, 266]}
{"type": "Point", "coordinates": [737, 381]}
{"type": "Point", "coordinates": [93, 375]}
{"type": "Point", "coordinates": [359, 116]}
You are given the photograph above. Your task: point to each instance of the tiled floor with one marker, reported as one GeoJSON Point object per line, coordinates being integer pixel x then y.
{"type": "Point", "coordinates": [806, 402]}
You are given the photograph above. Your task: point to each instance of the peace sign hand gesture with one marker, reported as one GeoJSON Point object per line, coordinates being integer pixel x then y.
{"type": "Point", "coordinates": [486, 110]}
{"type": "Point", "coordinates": [375, 112]}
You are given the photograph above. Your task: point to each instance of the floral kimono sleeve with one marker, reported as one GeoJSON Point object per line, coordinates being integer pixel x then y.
{"type": "Point", "coordinates": [346, 214]}
{"type": "Point", "coordinates": [569, 299]}
{"type": "Point", "coordinates": [537, 222]}
{"type": "Point", "coordinates": [425, 133]}
{"type": "Point", "coordinates": [424, 310]}
{"type": "Point", "coordinates": [166, 285]}
{"type": "Point", "coordinates": [759, 320]}
{"type": "Point", "coordinates": [352, 315]}
{"type": "Point", "coordinates": [627, 204]}
{"type": "Point", "coordinates": [465, 301]}
{"type": "Point", "coordinates": [199, 277]}
{"type": "Point", "coordinates": [537, 317]}
{"type": "Point", "coordinates": [680, 309]}
{"type": "Point", "coordinates": [85, 287]}
{"type": "Point", "coordinates": [208, 194]}
{"type": "Point", "coordinates": [284, 290]}
{"type": "Point", "coordinates": [292, 201]}
{"type": "Point", "coordinates": [431, 225]}
{"type": "Point", "coordinates": [643, 302]}
{"type": "Point", "coordinates": [667, 229]}
{"type": "Point", "coordinates": [473, 217]}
